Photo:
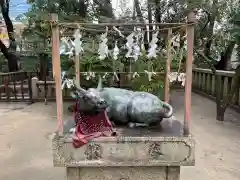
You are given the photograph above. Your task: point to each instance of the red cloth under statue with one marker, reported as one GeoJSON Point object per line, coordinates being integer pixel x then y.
{"type": "Point", "coordinates": [89, 127]}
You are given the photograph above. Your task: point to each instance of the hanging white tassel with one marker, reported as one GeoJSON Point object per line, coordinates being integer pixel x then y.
{"type": "Point", "coordinates": [118, 31]}
{"type": "Point", "coordinates": [89, 75]}
{"type": "Point", "coordinates": [115, 76]}
{"type": "Point", "coordinates": [149, 74]}
{"type": "Point", "coordinates": [105, 75]}
{"type": "Point", "coordinates": [65, 81]}
{"type": "Point", "coordinates": [182, 78]}
{"type": "Point", "coordinates": [185, 42]}
{"type": "Point", "coordinates": [70, 53]}
{"type": "Point", "coordinates": [69, 83]}
{"type": "Point", "coordinates": [152, 52]}
{"type": "Point", "coordinates": [86, 75]}
{"type": "Point", "coordinates": [92, 74]}
{"type": "Point", "coordinates": [67, 46]}
{"type": "Point", "coordinates": [142, 43]}
{"type": "Point", "coordinates": [136, 51]}
{"type": "Point", "coordinates": [115, 51]}
{"type": "Point", "coordinates": [77, 42]}
{"type": "Point", "coordinates": [63, 45]}
{"type": "Point", "coordinates": [62, 48]}
{"type": "Point", "coordinates": [136, 45]}
{"type": "Point", "coordinates": [175, 76]}
{"type": "Point", "coordinates": [18, 48]}
{"type": "Point", "coordinates": [176, 41]}
{"type": "Point", "coordinates": [172, 76]}
{"type": "Point", "coordinates": [103, 48]}
{"type": "Point", "coordinates": [135, 74]}
{"type": "Point", "coordinates": [129, 45]}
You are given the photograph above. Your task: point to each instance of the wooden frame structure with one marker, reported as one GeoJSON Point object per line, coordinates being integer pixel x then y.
{"type": "Point", "coordinates": [188, 85]}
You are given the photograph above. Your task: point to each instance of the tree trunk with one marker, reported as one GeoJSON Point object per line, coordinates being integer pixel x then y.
{"type": "Point", "coordinates": [150, 19]}
{"type": "Point", "coordinates": [213, 15]}
{"type": "Point", "coordinates": [9, 24]}
{"type": "Point", "coordinates": [11, 57]}
{"type": "Point", "coordinates": [219, 102]}
{"type": "Point", "coordinates": [220, 113]}
{"type": "Point", "coordinates": [9, 53]}
{"type": "Point", "coordinates": [44, 69]}
{"type": "Point", "coordinates": [222, 102]}
{"type": "Point", "coordinates": [140, 16]}
{"type": "Point", "coordinates": [157, 11]}
{"type": "Point", "coordinates": [138, 10]}
{"type": "Point", "coordinates": [226, 57]}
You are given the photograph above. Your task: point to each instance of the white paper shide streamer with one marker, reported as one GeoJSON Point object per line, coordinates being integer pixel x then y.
{"type": "Point", "coordinates": [129, 45]}
{"type": "Point", "coordinates": [176, 41]}
{"type": "Point", "coordinates": [115, 51]}
{"type": "Point", "coordinates": [182, 78]}
{"type": "Point", "coordinates": [105, 75]}
{"type": "Point", "coordinates": [89, 75]}
{"type": "Point", "coordinates": [115, 76]}
{"type": "Point", "coordinates": [118, 31]}
{"type": "Point", "coordinates": [77, 42]}
{"type": "Point", "coordinates": [66, 46]}
{"type": "Point", "coordinates": [150, 74]}
{"type": "Point", "coordinates": [175, 76]}
{"type": "Point", "coordinates": [135, 75]}
{"type": "Point", "coordinates": [172, 76]}
{"type": "Point", "coordinates": [152, 51]}
{"type": "Point", "coordinates": [65, 81]}
{"type": "Point", "coordinates": [136, 47]}
{"type": "Point", "coordinates": [132, 45]}
{"type": "Point", "coordinates": [103, 48]}
{"type": "Point", "coordinates": [185, 42]}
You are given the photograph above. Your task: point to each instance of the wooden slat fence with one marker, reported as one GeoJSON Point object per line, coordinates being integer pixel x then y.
{"type": "Point", "coordinates": [204, 83]}
{"type": "Point", "coordinates": [16, 86]}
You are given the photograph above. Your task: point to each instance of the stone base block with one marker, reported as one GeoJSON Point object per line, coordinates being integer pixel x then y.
{"type": "Point", "coordinates": [124, 173]}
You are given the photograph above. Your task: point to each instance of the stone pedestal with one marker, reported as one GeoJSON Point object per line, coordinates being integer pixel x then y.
{"type": "Point", "coordinates": [135, 154]}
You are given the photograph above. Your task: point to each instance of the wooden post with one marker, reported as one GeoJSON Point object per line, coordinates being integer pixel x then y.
{"type": "Point", "coordinates": [189, 63]}
{"type": "Point", "coordinates": [57, 71]}
{"type": "Point", "coordinates": [168, 67]}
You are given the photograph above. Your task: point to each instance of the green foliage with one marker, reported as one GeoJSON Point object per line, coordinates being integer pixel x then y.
{"type": "Point", "coordinates": [71, 10]}
{"type": "Point", "coordinates": [3, 64]}
{"type": "Point", "coordinates": [236, 30]}
{"type": "Point", "coordinates": [156, 88]}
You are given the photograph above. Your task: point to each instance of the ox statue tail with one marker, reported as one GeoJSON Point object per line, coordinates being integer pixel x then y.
{"type": "Point", "coordinates": [169, 113]}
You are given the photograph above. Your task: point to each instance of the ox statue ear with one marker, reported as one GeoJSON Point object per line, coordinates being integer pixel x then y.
{"type": "Point", "coordinates": [99, 87]}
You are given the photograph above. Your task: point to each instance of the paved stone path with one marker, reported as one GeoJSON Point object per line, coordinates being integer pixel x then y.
{"type": "Point", "coordinates": [26, 131]}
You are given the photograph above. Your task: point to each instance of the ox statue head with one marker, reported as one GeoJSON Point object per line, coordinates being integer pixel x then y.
{"type": "Point", "coordinates": [89, 100]}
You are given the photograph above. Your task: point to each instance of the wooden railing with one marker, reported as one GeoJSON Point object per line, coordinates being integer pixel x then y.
{"type": "Point", "coordinates": [204, 83]}
{"type": "Point", "coordinates": [22, 86]}
{"type": "Point", "coordinates": [40, 91]}
{"type": "Point", "coordinates": [15, 86]}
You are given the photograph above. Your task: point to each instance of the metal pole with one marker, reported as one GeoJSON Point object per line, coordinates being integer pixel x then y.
{"type": "Point", "coordinates": [57, 71]}
{"type": "Point", "coordinates": [189, 63]}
